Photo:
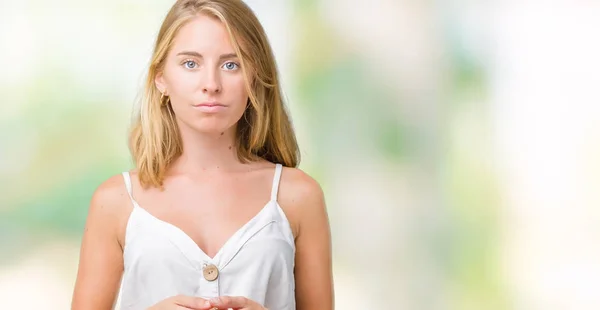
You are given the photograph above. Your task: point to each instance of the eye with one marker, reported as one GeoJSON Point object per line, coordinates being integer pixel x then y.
{"type": "Point", "coordinates": [230, 65]}
{"type": "Point", "coordinates": [190, 64]}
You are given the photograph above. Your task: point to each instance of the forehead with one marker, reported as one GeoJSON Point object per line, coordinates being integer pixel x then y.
{"type": "Point", "coordinates": [203, 34]}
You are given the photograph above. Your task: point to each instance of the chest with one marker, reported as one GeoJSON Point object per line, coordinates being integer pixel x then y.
{"type": "Point", "coordinates": [211, 211]}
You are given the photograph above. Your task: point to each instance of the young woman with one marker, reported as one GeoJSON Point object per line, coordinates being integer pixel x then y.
{"type": "Point", "coordinates": [216, 216]}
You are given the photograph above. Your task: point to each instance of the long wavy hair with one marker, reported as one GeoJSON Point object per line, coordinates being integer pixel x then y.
{"type": "Point", "coordinates": [264, 131]}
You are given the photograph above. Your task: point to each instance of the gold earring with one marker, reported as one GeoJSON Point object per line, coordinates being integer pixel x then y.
{"type": "Point", "coordinates": [162, 97]}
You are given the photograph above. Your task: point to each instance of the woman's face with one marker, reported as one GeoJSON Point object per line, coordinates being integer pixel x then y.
{"type": "Point", "coordinates": [203, 77]}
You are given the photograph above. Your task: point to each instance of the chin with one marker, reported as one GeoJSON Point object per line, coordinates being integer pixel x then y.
{"type": "Point", "coordinates": [212, 127]}
{"type": "Point", "coordinates": [208, 125]}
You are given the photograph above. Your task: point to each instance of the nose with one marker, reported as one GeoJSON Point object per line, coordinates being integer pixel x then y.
{"type": "Point", "coordinates": [211, 83]}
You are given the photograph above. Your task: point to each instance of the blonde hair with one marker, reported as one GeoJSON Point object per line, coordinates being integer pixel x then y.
{"type": "Point", "coordinates": [264, 131]}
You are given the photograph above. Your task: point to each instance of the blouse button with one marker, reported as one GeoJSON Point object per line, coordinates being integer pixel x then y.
{"type": "Point", "coordinates": [210, 272]}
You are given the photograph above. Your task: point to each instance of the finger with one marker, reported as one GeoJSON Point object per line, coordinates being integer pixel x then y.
{"type": "Point", "coordinates": [190, 302]}
{"type": "Point", "coordinates": [177, 307]}
{"type": "Point", "coordinates": [225, 302]}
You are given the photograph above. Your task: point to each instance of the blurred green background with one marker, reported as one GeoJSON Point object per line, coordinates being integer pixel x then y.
{"type": "Point", "coordinates": [457, 142]}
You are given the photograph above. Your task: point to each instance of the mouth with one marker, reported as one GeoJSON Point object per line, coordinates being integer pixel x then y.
{"type": "Point", "coordinates": [209, 107]}
{"type": "Point", "coordinates": [209, 104]}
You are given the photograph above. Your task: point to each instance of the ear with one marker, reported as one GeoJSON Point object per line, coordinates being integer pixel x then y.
{"type": "Point", "coordinates": [159, 81]}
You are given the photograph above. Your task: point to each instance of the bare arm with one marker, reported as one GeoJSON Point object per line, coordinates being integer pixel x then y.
{"type": "Point", "coordinates": [313, 270]}
{"type": "Point", "coordinates": [101, 255]}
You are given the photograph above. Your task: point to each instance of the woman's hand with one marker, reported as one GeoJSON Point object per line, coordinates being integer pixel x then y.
{"type": "Point", "coordinates": [233, 302]}
{"type": "Point", "coordinates": [180, 302]}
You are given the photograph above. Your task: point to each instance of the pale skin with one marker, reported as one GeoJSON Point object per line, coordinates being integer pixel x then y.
{"type": "Point", "coordinates": [202, 67]}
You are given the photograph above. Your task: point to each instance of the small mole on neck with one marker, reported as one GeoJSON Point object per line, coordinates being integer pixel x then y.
{"type": "Point", "coordinates": [222, 133]}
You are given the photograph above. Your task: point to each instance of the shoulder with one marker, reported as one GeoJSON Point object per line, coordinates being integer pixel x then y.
{"type": "Point", "coordinates": [297, 187]}
{"type": "Point", "coordinates": [110, 194]}
{"type": "Point", "coordinates": [109, 203]}
{"type": "Point", "coordinates": [301, 196]}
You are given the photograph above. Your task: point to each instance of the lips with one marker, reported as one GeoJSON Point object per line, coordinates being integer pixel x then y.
{"type": "Point", "coordinates": [209, 104]}
{"type": "Point", "coordinates": [210, 107]}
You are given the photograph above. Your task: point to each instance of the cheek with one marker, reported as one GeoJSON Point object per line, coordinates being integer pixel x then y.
{"type": "Point", "coordinates": [179, 82]}
{"type": "Point", "coordinates": [237, 91]}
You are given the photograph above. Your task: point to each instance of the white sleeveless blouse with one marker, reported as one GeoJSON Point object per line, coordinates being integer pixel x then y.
{"type": "Point", "coordinates": [257, 262]}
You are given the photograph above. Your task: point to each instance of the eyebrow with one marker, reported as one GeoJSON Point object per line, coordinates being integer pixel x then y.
{"type": "Point", "coordinates": [196, 54]}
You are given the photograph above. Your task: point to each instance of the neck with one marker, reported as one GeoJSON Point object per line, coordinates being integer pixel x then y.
{"type": "Point", "coordinates": [206, 152]}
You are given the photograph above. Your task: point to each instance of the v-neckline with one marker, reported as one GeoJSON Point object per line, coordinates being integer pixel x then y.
{"type": "Point", "coordinates": [244, 233]}
{"type": "Point", "coordinates": [189, 239]}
